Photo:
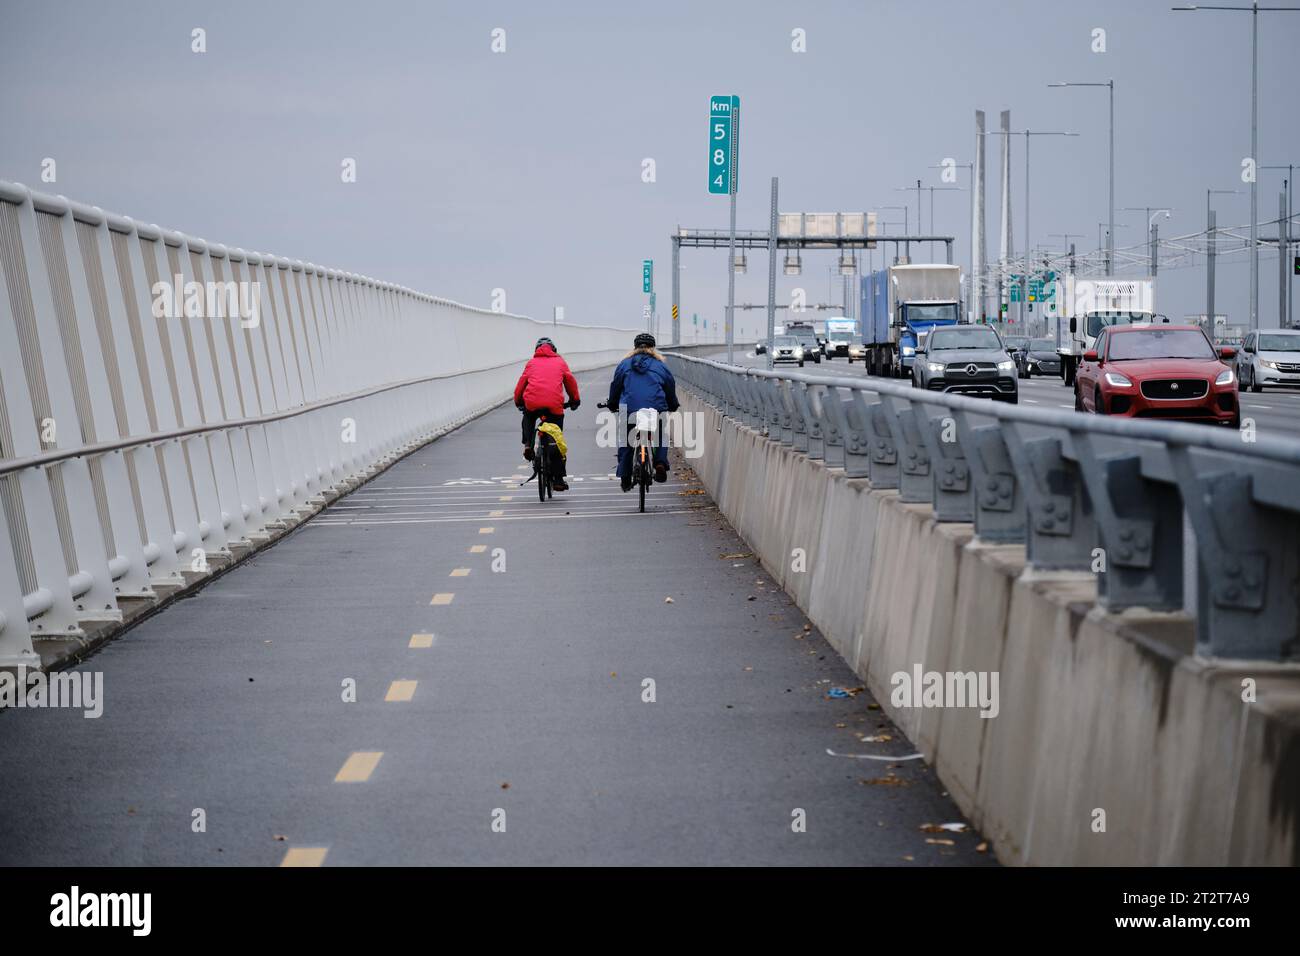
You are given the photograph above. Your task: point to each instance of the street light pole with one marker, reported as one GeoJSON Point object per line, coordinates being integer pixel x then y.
{"type": "Point", "coordinates": [907, 229]}
{"type": "Point", "coordinates": [886, 225]}
{"type": "Point", "coordinates": [771, 276]}
{"type": "Point", "coordinates": [1152, 232]}
{"type": "Point", "coordinates": [971, 292]}
{"type": "Point", "coordinates": [1254, 10]}
{"type": "Point", "coordinates": [1110, 243]}
{"type": "Point", "coordinates": [1110, 251]}
{"type": "Point", "coordinates": [1284, 241]}
{"type": "Point", "coordinates": [1211, 252]}
{"type": "Point", "coordinates": [1100, 226]}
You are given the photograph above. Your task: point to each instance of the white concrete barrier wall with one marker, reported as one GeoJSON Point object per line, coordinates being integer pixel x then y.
{"type": "Point", "coordinates": [1102, 717]}
{"type": "Point", "coordinates": [260, 408]}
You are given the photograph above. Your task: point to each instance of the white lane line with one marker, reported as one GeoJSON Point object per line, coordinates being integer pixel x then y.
{"type": "Point", "coordinates": [322, 523]}
{"type": "Point", "coordinates": [1269, 407]}
{"type": "Point", "coordinates": [429, 504]}
{"type": "Point", "coordinates": [875, 757]}
{"type": "Point", "coordinates": [525, 509]}
{"type": "Point", "coordinates": [1065, 406]}
{"type": "Point", "coordinates": [490, 485]}
{"type": "Point", "coordinates": [493, 495]}
{"type": "Point", "coordinates": [1032, 401]}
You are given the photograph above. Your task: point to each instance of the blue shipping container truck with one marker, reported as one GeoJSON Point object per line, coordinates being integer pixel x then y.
{"type": "Point", "coordinates": [899, 305]}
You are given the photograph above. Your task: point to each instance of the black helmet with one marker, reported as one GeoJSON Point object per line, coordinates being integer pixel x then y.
{"type": "Point", "coordinates": [644, 341]}
{"type": "Point", "coordinates": [544, 341]}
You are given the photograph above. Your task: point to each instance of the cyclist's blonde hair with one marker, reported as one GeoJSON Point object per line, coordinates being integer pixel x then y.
{"type": "Point", "coordinates": [644, 350]}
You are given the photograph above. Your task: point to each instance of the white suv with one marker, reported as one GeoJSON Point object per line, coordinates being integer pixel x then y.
{"type": "Point", "coordinates": [1269, 357]}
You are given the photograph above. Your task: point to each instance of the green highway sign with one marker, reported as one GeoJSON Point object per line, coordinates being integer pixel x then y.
{"type": "Point", "coordinates": [724, 144]}
{"type": "Point", "coordinates": [647, 275]}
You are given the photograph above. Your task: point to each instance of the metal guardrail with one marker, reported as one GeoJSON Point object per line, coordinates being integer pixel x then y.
{"type": "Point", "coordinates": [134, 443]}
{"type": "Point", "coordinates": [1170, 516]}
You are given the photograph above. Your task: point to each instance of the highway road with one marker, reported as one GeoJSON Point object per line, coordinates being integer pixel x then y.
{"type": "Point", "coordinates": [514, 695]}
{"type": "Point", "coordinates": [1275, 412]}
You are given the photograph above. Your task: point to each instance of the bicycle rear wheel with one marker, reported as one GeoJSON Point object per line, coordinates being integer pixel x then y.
{"type": "Point", "coordinates": [543, 472]}
{"type": "Point", "coordinates": [643, 476]}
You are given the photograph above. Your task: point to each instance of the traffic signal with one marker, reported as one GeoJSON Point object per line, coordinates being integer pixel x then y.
{"type": "Point", "coordinates": [1296, 266]}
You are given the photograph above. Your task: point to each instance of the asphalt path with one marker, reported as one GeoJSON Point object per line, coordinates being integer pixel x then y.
{"type": "Point", "coordinates": [500, 716]}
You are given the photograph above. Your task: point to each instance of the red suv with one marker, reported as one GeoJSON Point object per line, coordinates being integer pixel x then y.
{"type": "Point", "coordinates": [1164, 371]}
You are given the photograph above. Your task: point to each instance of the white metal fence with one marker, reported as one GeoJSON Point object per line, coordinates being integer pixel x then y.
{"type": "Point", "coordinates": [135, 444]}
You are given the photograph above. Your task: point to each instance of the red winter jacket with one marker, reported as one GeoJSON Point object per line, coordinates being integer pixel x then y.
{"type": "Point", "coordinates": [545, 380]}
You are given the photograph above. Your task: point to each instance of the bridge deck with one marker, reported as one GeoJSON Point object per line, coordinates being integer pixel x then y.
{"type": "Point", "coordinates": [529, 699]}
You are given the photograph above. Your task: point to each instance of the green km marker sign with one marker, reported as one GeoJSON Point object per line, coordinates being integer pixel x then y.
{"type": "Point", "coordinates": [724, 144]}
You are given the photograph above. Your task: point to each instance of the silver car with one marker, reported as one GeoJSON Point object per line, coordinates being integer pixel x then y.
{"type": "Point", "coordinates": [1269, 357]}
{"type": "Point", "coordinates": [786, 348]}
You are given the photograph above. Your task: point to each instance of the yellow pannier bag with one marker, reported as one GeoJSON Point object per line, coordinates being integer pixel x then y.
{"type": "Point", "coordinates": [552, 429]}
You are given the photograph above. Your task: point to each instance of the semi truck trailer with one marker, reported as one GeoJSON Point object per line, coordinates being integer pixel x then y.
{"type": "Point", "coordinates": [901, 304]}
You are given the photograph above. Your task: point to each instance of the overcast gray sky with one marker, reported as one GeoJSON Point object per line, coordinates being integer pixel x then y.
{"type": "Point", "coordinates": [522, 170]}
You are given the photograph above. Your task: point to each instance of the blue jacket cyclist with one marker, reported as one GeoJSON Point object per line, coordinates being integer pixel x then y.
{"type": "Point", "coordinates": [643, 381]}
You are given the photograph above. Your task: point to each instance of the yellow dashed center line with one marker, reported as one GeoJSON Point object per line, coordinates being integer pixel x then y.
{"type": "Point", "coordinates": [506, 498]}
{"type": "Point", "coordinates": [495, 514]}
{"type": "Point", "coordinates": [443, 597]}
{"type": "Point", "coordinates": [305, 856]}
{"type": "Point", "coordinates": [400, 691]}
{"type": "Point", "coordinates": [486, 530]}
{"type": "Point", "coordinates": [459, 573]}
{"type": "Point", "coordinates": [477, 548]}
{"type": "Point", "coordinates": [358, 767]}
{"type": "Point", "coordinates": [421, 640]}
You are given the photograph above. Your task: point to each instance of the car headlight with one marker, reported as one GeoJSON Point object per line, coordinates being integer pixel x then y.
{"type": "Point", "coordinates": [1272, 365]}
{"type": "Point", "coordinates": [799, 351]}
{"type": "Point", "coordinates": [1117, 380]}
{"type": "Point", "coordinates": [908, 350]}
{"type": "Point", "coordinates": [935, 367]}
{"type": "Point", "coordinates": [1226, 377]}
{"type": "Point", "coordinates": [1007, 366]}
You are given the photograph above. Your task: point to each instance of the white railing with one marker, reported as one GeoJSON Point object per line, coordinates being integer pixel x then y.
{"type": "Point", "coordinates": [135, 445]}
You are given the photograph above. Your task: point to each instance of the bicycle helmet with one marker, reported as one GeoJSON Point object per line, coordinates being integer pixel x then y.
{"type": "Point", "coordinates": [644, 340]}
{"type": "Point", "coordinates": [544, 341]}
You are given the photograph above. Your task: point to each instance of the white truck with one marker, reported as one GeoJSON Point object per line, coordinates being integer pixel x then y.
{"type": "Point", "coordinates": [1083, 307]}
{"type": "Point", "coordinates": [840, 333]}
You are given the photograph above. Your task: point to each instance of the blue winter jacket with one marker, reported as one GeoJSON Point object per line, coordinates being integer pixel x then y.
{"type": "Point", "coordinates": [642, 381]}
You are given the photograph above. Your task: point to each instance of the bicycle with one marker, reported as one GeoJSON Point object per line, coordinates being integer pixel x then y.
{"type": "Point", "coordinates": [643, 469]}
{"type": "Point", "coordinates": [542, 471]}
{"type": "Point", "coordinates": [544, 452]}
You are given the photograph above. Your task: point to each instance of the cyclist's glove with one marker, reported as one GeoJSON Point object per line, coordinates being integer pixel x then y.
{"type": "Point", "coordinates": [574, 404]}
